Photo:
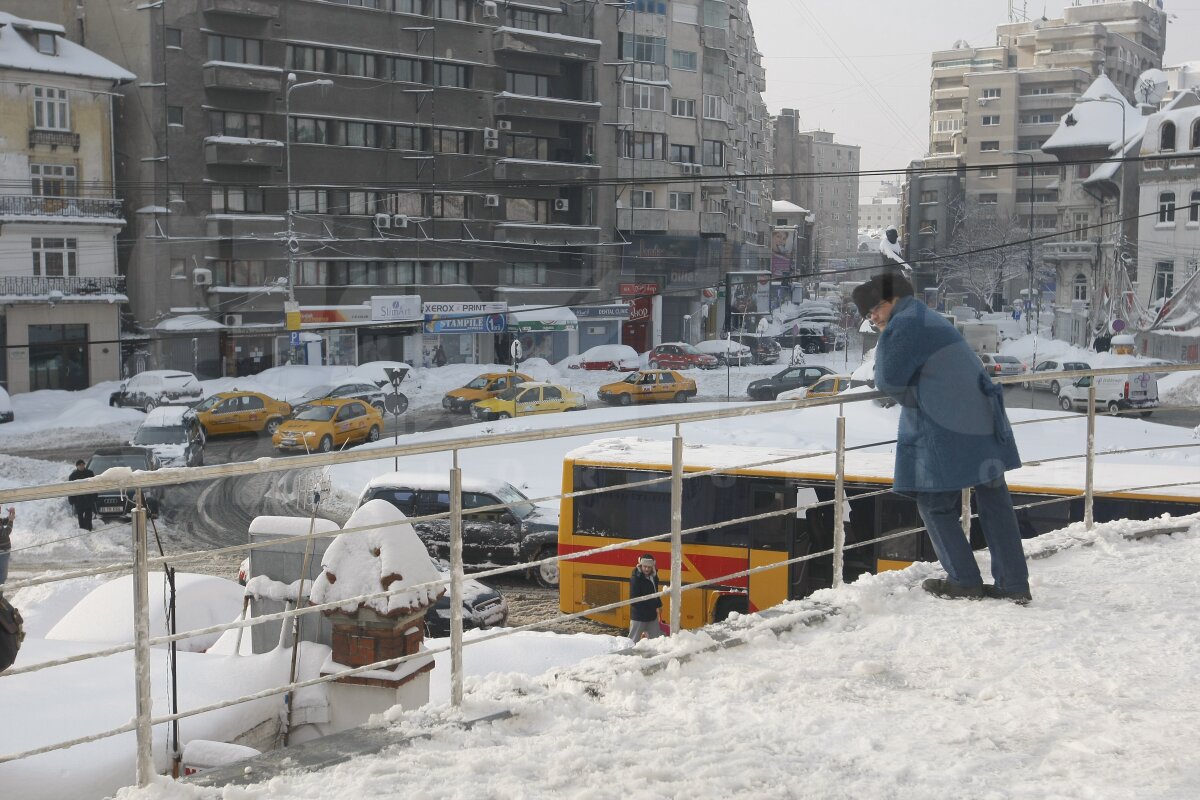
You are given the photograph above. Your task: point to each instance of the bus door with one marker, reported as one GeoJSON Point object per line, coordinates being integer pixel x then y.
{"type": "Point", "coordinates": [772, 540]}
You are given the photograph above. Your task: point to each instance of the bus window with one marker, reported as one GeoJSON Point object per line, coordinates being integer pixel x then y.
{"type": "Point", "coordinates": [893, 513]}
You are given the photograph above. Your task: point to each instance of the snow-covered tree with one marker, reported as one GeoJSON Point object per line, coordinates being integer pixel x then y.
{"type": "Point", "coordinates": [987, 250]}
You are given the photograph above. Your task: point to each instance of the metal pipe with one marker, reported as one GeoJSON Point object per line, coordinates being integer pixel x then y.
{"type": "Point", "coordinates": [456, 585]}
{"type": "Point", "coordinates": [141, 650]}
{"type": "Point", "coordinates": [676, 529]}
{"type": "Point", "coordinates": [965, 514]}
{"type": "Point", "coordinates": [1088, 484]}
{"type": "Point", "coordinates": [839, 503]}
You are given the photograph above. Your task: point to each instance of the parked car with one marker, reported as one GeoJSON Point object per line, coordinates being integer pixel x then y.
{"type": "Point", "coordinates": [1052, 366]}
{"type": "Point", "coordinates": [325, 425]}
{"type": "Point", "coordinates": [240, 412]}
{"type": "Point", "coordinates": [173, 436]}
{"type": "Point", "coordinates": [649, 386]}
{"type": "Point", "coordinates": [366, 392]}
{"type": "Point", "coordinates": [156, 387]}
{"type": "Point", "coordinates": [6, 407]}
{"type": "Point", "coordinates": [1137, 390]}
{"type": "Point", "coordinates": [995, 364]}
{"type": "Point", "coordinates": [613, 357]}
{"type": "Point", "coordinates": [529, 398]}
{"type": "Point", "coordinates": [788, 379]}
{"type": "Point", "coordinates": [517, 533]}
{"type": "Point", "coordinates": [727, 351]}
{"type": "Point", "coordinates": [484, 387]}
{"type": "Point", "coordinates": [765, 349]}
{"type": "Point", "coordinates": [679, 355]}
{"type": "Point", "coordinates": [818, 338]}
{"type": "Point", "coordinates": [117, 503]}
{"type": "Point", "coordinates": [827, 386]}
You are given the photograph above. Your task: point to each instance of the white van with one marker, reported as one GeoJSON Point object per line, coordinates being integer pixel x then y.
{"type": "Point", "coordinates": [1137, 390]}
{"type": "Point", "coordinates": [983, 337]}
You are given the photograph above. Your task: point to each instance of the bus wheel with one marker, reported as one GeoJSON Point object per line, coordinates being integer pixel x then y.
{"type": "Point", "coordinates": [728, 605]}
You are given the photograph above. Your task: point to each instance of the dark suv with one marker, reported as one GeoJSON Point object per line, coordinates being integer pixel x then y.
{"type": "Point", "coordinates": [764, 349]}
{"type": "Point", "coordinates": [118, 504]}
{"type": "Point", "coordinates": [790, 378]}
{"type": "Point", "coordinates": [512, 535]}
{"type": "Point", "coordinates": [823, 338]}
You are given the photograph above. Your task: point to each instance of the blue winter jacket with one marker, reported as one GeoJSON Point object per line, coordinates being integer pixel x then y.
{"type": "Point", "coordinates": [954, 432]}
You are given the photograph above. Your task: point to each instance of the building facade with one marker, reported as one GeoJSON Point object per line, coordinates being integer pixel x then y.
{"type": "Point", "coordinates": [59, 217]}
{"type": "Point", "coordinates": [878, 214]}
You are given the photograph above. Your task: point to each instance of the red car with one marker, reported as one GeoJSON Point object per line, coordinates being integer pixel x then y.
{"type": "Point", "coordinates": [678, 355]}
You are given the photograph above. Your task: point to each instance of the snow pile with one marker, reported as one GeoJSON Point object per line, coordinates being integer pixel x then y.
{"type": "Point", "coordinates": [390, 557]}
{"type": "Point", "coordinates": [53, 418]}
{"type": "Point", "coordinates": [1180, 389]}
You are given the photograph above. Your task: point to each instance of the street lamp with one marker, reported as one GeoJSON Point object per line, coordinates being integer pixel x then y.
{"type": "Point", "coordinates": [290, 242]}
{"type": "Point", "coordinates": [1029, 256]}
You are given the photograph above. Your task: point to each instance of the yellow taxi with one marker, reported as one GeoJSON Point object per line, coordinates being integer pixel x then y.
{"type": "Point", "coordinates": [529, 398]}
{"type": "Point", "coordinates": [325, 425]}
{"type": "Point", "coordinates": [240, 412]}
{"type": "Point", "coordinates": [649, 386]}
{"type": "Point", "coordinates": [484, 387]}
{"type": "Point", "coordinates": [828, 386]}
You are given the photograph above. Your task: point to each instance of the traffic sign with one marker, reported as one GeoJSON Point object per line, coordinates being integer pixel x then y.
{"type": "Point", "coordinates": [295, 338]}
{"type": "Point", "coordinates": [514, 350]}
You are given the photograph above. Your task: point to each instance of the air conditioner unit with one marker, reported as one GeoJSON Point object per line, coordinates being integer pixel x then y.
{"type": "Point", "coordinates": [232, 320]}
{"type": "Point", "coordinates": [201, 276]}
{"type": "Point", "coordinates": [491, 144]}
{"type": "Point", "coordinates": [490, 133]}
{"type": "Point", "coordinates": [383, 221]}
{"type": "Point", "coordinates": [562, 204]}
{"type": "Point", "coordinates": [504, 124]}
{"type": "Point", "coordinates": [694, 169]}
{"type": "Point", "coordinates": [400, 221]}
{"type": "Point", "coordinates": [490, 10]}
{"type": "Point", "coordinates": [491, 201]}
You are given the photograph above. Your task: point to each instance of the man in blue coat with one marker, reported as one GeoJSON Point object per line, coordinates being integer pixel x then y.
{"type": "Point", "coordinates": [953, 434]}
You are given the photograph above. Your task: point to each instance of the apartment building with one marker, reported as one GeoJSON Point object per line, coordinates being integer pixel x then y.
{"type": "Point", "coordinates": [59, 217]}
{"type": "Point", "coordinates": [832, 192]}
{"type": "Point", "coordinates": [683, 119]}
{"type": "Point", "coordinates": [879, 214]}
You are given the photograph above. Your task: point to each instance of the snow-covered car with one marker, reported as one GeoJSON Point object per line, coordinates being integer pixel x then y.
{"type": "Point", "coordinates": [173, 436]}
{"type": "Point", "coordinates": [679, 355]}
{"type": "Point", "coordinates": [614, 357]}
{"type": "Point", "coordinates": [6, 407]}
{"type": "Point", "coordinates": [1052, 366]}
{"type": "Point", "coordinates": [764, 348]}
{"type": "Point", "coordinates": [727, 351]}
{"type": "Point", "coordinates": [341, 391]}
{"type": "Point", "coordinates": [518, 532]}
{"type": "Point", "coordinates": [157, 387]}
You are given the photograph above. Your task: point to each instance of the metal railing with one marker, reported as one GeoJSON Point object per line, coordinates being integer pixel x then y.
{"type": "Point", "coordinates": [36, 285]}
{"type": "Point", "coordinates": [140, 565]}
{"type": "Point", "coordinates": [25, 205]}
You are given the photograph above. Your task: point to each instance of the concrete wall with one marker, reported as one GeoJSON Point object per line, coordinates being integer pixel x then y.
{"type": "Point", "coordinates": [101, 319]}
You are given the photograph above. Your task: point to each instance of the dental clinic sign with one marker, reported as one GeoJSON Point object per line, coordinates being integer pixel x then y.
{"type": "Point", "coordinates": [464, 317]}
{"type": "Point", "coordinates": [396, 308]}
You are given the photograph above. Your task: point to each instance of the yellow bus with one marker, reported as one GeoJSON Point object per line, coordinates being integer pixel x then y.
{"type": "Point", "coordinates": [797, 479]}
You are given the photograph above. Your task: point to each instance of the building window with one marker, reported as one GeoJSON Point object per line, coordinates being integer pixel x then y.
{"type": "Point", "coordinates": [1166, 137]}
{"type": "Point", "coordinates": [1031, 142]}
{"type": "Point", "coordinates": [1164, 280]}
{"type": "Point", "coordinates": [524, 209]}
{"type": "Point", "coordinates": [990, 120]}
{"type": "Point", "coordinates": [990, 172]}
{"type": "Point", "coordinates": [1079, 289]}
{"type": "Point", "coordinates": [683, 153]}
{"type": "Point", "coordinates": [527, 83]}
{"type": "Point", "coordinates": [451, 9]}
{"type": "Point", "coordinates": [683, 59]}
{"type": "Point", "coordinates": [448, 206]}
{"type": "Point", "coordinates": [929, 227]}
{"type": "Point", "coordinates": [173, 37]}
{"type": "Point", "coordinates": [648, 6]}
{"type": "Point", "coordinates": [929, 196]}
{"type": "Point", "coordinates": [309, 131]}
{"type": "Point", "coordinates": [53, 180]}
{"type": "Point", "coordinates": [646, 96]}
{"type": "Point", "coordinates": [524, 274]}
{"type": "Point", "coordinates": [992, 146]}
{"type": "Point", "coordinates": [1166, 207]}
{"type": "Point", "coordinates": [407, 70]}
{"type": "Point", "coordinates": [54, 258]}
{"type": "Point", "coordinates": [310, 201]}
{"type": "Point", "coordinates": [528, 20]}
{"type": "Point", "coordinates": [641, 198]}
{"type": "Point", "coordinates": [408, 6]}
{"type": "Point", "coordinates": [355, 64]}
{"type": "Point", "coordinates": [455, 75]}
{"type": "Point", "coordinates": [681, 201]}
{"type": "Point", "coordinates": [532, 148]}
{"type": "Point", "coordinates": [1194, 207]}
{"type": "Point", "coordinates": [714, 153]}
{"type": "Point", "coordinates": [714, 106]}
{"type": "Point", "coordinates": [444, 272]}
{"type": "Point", "coordinates": [991, 93]}
{"type": "Point", "coordinates": [234, 49]}
{"type": "Point", "coordinates": [1081, 224]}
{"type": "Point", "coordinates": [683, 108]}
{"type": "Point", "coordinates": [51, 111]}
{"type": "Point", "coordinates": [989, 199]}
{"type": "Point", "coordinates": [237, 123]}
{"type": "Point", "coordinates": [646, 49]}
{"type": "Point", "coordinates": [451, 141]}
{"type": "Point", "coordinates": [1196, 135]}
{"type": "Point", "coordinates": [237, 200]}
{"type": "Point", "coordinates": [639, 144]}
{"type": "Point", "coordinates": [46, 44]}
{"type": "Point", "coordinates": [175, 115]}
{"type": "Point", "coordinates": [309, 59]}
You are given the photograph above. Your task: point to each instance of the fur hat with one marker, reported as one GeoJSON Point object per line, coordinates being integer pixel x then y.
{"type": "Point", "coordinates": [886, 286]}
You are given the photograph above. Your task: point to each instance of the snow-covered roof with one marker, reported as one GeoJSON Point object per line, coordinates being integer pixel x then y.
{"type": "Point", "coordinates": [1097, 120]}
{"type": "Point", "coordinates": [786, 207]}
{"type": "Point", "coordinates": [189, 322]}
{"type": "Point", "coordinates": [165, 417]}
{"type": "Point", "coordinates": [559, 314]}
{"type": "Point", "coordinates": [69, 58]}
{"type": "Point", "coordinates": [389, 557]}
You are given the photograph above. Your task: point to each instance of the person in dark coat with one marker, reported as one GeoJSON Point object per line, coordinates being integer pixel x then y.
{"type": "Point", "coordinates": [643, 616]}
{"type": "Point", "coordinates": [83, 504]}
{"type": "Point", "coordinates": [6, 525]}
{"type": "Point", "coordinates": [954, 434]}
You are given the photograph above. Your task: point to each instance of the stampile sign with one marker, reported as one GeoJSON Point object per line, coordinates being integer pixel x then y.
{"type": "Point", "coordinates": [464, 317]}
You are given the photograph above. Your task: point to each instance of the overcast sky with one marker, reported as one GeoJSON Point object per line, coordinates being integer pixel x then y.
{"type": "Point", "coordinates": [887, 44]}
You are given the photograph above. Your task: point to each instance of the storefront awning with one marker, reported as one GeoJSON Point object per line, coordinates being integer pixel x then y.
{"type": "Point", "coordinates": [542, 318]}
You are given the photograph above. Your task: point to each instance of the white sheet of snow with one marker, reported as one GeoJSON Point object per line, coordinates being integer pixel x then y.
{"type": "Point", "coordinates": [189, 322]}
{"type": "Point", "coordinates": [53, 418]}
{"type": "Point", "coordinates": [69, 58]}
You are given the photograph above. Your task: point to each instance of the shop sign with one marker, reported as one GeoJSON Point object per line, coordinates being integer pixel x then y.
{"type": "Point", "coordinates": [641, 309]}
{"type": "Point", "coordinates": [636, 289]}
{"type": "Point", "coordinates": [620, 311]}
{"type": "Point", "coordinates": [396, 308]}
{"type": "Point", "coordinates": [335, 315]}
{"type": "Point", "coordinates": [464, 317]}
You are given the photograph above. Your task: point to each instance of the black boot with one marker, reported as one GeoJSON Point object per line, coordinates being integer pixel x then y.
{"type": "Point", "coordinates": [948, 589]}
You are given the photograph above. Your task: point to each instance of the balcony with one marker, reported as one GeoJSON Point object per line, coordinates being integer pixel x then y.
{"type": "Point", "coordinates": [555, 108]}
{"type": "Point", "coordinates": [257, 9]}
{"type": "Point", "coordinates": [547, 235]}
{"type": "Point", "coordinates": [236, 151]}
{"type": "Point", "coordinates": [59, 209]}
{"type": "Point", "coordinates": [241, 77]}
{"type": "Point", "coordinates": [55, 139]}
{"type": "Point", "coordinates": [714, 223]}
{"type": "Point", "coordinates": [716, 38]}
{"type": "Point", "coordinates": [1069, 251]}
{"type": "Point", "coordinates": [110, 288]}
{"type": "Point", "coordinates": [568, 48]}
{"type": "Point", "coordinates": [642, 219]}
{"type": "Point", "coordinates": [520, 169]}
{"type": "Point", "coordinates": [265, 227]}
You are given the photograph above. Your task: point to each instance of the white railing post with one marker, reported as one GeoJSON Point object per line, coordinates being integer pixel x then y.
{"type": "Point", "coordinates": [456, 585]}
{"type": "Point", "coordinates": [965, 514]}
{"type": "Point", "coordinates": [839, 502]}
{"type": "Point", "coordinates": [141, 646]}
{"type": "Point", "coordinates": [1088, 493]}
{"type": "Point", "coordinates": [676, 529]}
